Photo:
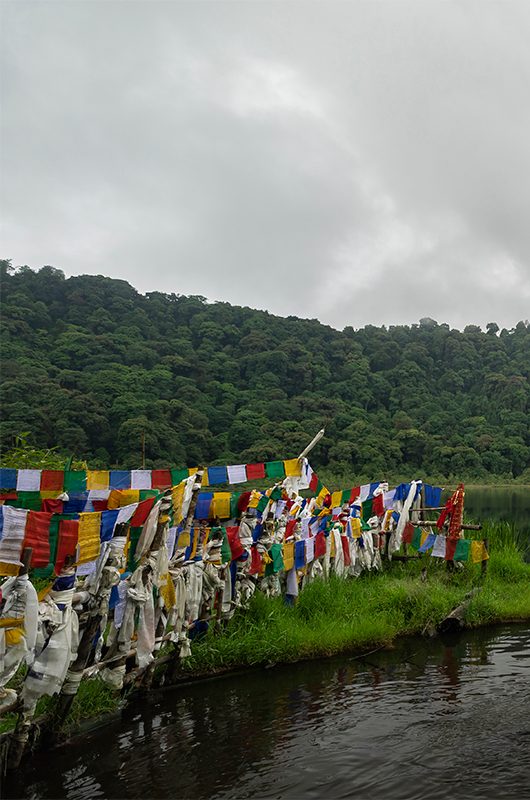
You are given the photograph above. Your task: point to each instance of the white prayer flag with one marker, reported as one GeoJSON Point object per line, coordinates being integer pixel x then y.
{"type": "Point", "coordinates": [438, 551]}
{"type": "Point", "coordinates": [28, 480]}
{"type": "Point", "coordinates": [237, 473]}
{"type": "Point", "coordinates": [140, 479]}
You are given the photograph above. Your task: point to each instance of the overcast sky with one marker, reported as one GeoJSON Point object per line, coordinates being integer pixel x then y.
{"type": "Point", "coordinates": [358, 162]}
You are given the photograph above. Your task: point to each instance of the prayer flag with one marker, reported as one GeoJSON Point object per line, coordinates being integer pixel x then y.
{"type": "Point", "coordinates": [178, 475]}
{"type": "Point", "coordinates": [67, 541]}
{"type": "Point", "coordinates": [293, 467]}
{"type": "Point", "coordinates": [75, 480]}
{"type": "Point", "coordinates": [142, 512]}
{"type": "Point", "coordinates": [141, 479]}
{"type": "Point", "coordinates": [8, 478]}
{"type": "Point", "coordinates": [463, 546]}
{"type": "Point", "coordinates": [98, 479]}
{"type": "Point", "coordinates": [217, 475]}
{"type": "Point", "coordinates": [288, 555]}
{"type": "Point", "coordinates": [438, 550]}
{"type": "Point", "coordinates": [450, 548]}
{"type": "Point", "coordinates": [236, 473]}
{"type": "Point", "coordinates": [221, 505]}
{"type": "Point", "coordinates": [299, 554]}
{"type": "Point", "coordinates": [89, 542]}
{"type": "Point", "coordinates": [120, 479]}
{"type": "Point", "coordinates": [161, 479]}
{"type": "Point", "coordinates": [28, 480]}
{"type": "Point", "coordinates": [275, 469]}
{"type": "Point", "coordinates": [37, 536]}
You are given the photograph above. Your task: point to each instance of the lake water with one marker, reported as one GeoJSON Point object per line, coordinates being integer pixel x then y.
{"type": "Point", "coordinates": [429, 719]}
{"type": "Point", "coordinates": [441, 718]}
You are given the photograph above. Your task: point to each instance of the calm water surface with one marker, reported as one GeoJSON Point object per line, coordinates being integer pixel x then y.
{"type": "Point", "coordinates": [430, 719]}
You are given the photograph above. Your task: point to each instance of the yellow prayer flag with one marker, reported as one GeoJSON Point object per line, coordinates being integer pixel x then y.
{"type": "Point", "coordinates": [123, 497]}
{"type": "Point", "coordinates": [8, 569]}
{"type": "Point", "coordinates": [177, 498]}
{"type": "Point", "coordinates": [184, 540]}
{"type": "Point", "coordinates": [97, 479]}
{"type": "Point", "coordinates": [322, 494]}
{"type": "Point", "coordinates": [424, 535]}
{"type": "Point", "coordinates": [221, 505]}
{"type": "Point", "coordinates": [255, 497]}
{"type": "Point", "coordinates": [205, 481]}
{"type": "Point", "coordinates": [89, 528]}
{"type": "Point", "coordinates": [476, 551]}
{"type": "Point", "coordinates": [336, 499]}
{"type": "Point", "coordinates": [288, 555]}
{"type": "Point", "coordinates": [293, 467]}
{"type": "Point", "coordinates": [355, 524]}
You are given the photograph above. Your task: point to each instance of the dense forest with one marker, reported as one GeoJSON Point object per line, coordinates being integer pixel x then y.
{"type": "Point", "coordinates": [92, 367]}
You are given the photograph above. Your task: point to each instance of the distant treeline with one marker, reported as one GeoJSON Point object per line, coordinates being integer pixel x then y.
{"type": "Point", "coordinates": [93, 367]}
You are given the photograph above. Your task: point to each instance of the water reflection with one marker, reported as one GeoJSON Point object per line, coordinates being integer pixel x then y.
{"type": "Point", "coordinates": [439, 718]}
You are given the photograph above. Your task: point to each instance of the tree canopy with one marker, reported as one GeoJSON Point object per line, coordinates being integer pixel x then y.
{"type": "Point", "coordinates": [95, 369]}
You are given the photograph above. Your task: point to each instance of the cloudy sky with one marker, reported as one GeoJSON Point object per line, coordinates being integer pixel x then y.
{"type": "Point", "coordinates": [358, 162]}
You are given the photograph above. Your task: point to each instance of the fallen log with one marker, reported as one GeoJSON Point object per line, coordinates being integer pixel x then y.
{"type": "Point", "coordinates": [455, 620]}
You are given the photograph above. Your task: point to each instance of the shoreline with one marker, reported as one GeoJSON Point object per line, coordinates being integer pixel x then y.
{"type": "Point", "coordinates": [353, 616]}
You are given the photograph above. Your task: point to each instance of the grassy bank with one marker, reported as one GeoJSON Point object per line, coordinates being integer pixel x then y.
{"type": "Point", "coordinates": [343, 615]}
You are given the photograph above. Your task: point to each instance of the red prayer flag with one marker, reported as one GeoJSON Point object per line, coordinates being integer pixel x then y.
{"type": "Point", "coordinates": [142, 512]}
{"type": "Point", "coordinates": [354, 494]}
{"type": "Point", "coordinates": [53, 506]}
{"type": "Point", "coordinates": [243, 501]}
{"type": "Point", "coordinates": [160, 478]}
{"type": "Point", "coordinates": [289, 528]}
{"type": "Point", "coordinates": [320, 544]}
{"type": "Point", "coordinates": [236, 548]}
{"type": "Point", "coordinates": [37, 536]}
{"type": "Point", "coordinates": [52, 480]}
{"type": "Point", "coordinates": [450, 548]}
{"type": "Point", "coordinates": [378, 505]}
{"type": "Point", "coordinates": [255, 564]}
{"type": "Point", "coordinates": [67, 542]}
{"type": "Point", "coordinates": [408, 533]}
{"type": "Point", "coordinates": [313, 483]}
{"type": "Point", "coordinates": [255, 471]}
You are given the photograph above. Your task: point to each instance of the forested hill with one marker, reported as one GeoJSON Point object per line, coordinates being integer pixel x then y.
{"type": "Point", "coordinates": [89, 364]}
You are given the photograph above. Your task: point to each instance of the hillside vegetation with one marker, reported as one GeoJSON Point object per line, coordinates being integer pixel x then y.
{"type": "Point", "coordinates": [90, 365]}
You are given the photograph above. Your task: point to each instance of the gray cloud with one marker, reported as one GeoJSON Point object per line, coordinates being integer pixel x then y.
{"type": "Point", "coordinates": [357, 162]}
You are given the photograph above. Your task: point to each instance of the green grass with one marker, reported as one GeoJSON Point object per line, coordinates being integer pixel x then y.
{"type": "Point", "coordinates": [357, 614]}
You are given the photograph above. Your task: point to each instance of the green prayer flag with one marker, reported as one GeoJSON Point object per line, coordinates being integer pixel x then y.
{"type": "Point", "coordinates": [416, 539]}
{"type": "Point", "coordinates": [262, 504]}
{"type": "Point", "coordinates": [75, 480]}
{"type": "Point", "coordinates": [276, 493]}
{"type": "Point", "coordinates": [178, 475]}
{"type": "Point", "coordinates": [234, 498]}
{"type": "Point", "coordinates": [345, 496]}
{"type": "Point", "coordinates": [276, 565]}
{"type": "Point", "coordinates": [54, 537]}
{"type": "Point", "coordinates": [145, 494]}
{"type": "Point", "coordinates": [226, 553]}
{"type": "Point", "coordinates": [367, 509]}
{"type": "Point", "coordinates": [275, 469]}
{"type": "Point", "coordinates": [463, 547]}
{"type": "Point", "coordinates": [134, 535]}
{"type": "Point", "coordinates": [30, 500]}
{"type": "Point", "coordinates": [43, 572]}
